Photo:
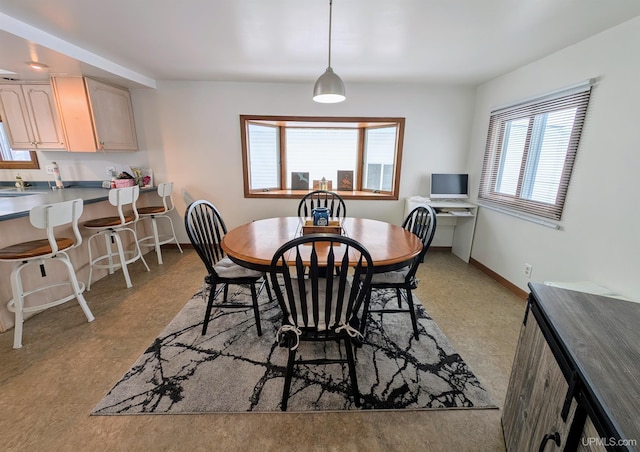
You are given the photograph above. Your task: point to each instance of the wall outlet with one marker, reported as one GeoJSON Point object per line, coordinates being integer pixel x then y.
{"type": "Point", "coordinates": [528, 268]}
{"type": "Point", "coordinates": [111, 170]}
{"type": "Point", "coordinates": [50, 169]}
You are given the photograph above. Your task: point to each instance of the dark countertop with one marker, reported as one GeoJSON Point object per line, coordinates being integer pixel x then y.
{"type": "Point", "coordinates": [19, 206]}
{"type": "Point", "coordinates": [601, 338]}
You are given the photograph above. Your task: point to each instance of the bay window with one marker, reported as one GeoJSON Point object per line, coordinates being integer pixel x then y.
{"type": "Point", "coordinates": [288, 156]}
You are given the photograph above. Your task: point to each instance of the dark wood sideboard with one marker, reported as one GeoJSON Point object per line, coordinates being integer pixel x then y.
{"type": "Point", "coordinates": [575, 381]}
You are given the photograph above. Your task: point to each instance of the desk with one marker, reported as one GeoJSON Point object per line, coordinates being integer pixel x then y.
{"type": "Point", "coordinates": [456, 224]}
{"type": "Point", "coordinates": [253, 244]}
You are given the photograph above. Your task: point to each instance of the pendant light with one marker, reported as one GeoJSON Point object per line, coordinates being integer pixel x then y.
{"type": "Point", "coordinates": [329, 88]}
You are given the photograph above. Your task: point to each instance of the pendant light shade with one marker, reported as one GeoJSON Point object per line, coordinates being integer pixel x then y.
{"type": "Point", "coordinates": [329, 88]}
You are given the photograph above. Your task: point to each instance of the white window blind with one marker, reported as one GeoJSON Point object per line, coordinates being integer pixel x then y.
{"type": "Point", "coordinates": [530, 151]}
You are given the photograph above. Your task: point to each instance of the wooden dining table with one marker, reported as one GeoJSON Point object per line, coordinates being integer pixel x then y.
{"type": "Point", "coordinates": [253, 245]}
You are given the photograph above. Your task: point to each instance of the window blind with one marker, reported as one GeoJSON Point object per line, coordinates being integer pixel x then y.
{"type": "Point", "coordinates": [530, 152]}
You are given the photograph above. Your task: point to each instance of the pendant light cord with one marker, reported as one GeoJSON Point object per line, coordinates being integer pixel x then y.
{"type": "Point", "coordinates": [330, 11]}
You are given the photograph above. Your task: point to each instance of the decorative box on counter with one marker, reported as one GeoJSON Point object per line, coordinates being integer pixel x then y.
{"type": "Point", "coordinates": [334, 227]}
{"type": "Point", "coordinates": [121, 183]}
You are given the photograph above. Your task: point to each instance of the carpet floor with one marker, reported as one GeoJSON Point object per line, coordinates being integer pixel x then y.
{"type": "Point", "coordinates": [232, 369]}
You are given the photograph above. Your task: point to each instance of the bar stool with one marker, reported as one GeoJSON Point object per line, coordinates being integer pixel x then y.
{"type": "Point", "coordinates": [110, 228]}
{"type": "Point", "coordinates": [23, 254]}
{"type": "Point", "coordinates": [154, 213]}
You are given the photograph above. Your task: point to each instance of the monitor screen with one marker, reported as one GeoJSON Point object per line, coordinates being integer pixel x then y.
{"type": "Point", "coordinates": [449, 186]}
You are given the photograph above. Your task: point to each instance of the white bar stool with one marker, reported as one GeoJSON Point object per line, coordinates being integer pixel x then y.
{"type": "Point", "coordinates": [154, 213]}
{"type": "Point", "coordinates": [46, 217]}
{"type": "Point", "coordinates": [110, 228]}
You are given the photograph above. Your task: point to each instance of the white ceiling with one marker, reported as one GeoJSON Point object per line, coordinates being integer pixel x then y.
{"type": "Point", "coordinates": [141, 41]}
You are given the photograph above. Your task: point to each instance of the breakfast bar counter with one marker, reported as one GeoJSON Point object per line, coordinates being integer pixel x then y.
{"type": "Point", "coordinates": [15, 227]}
{"type": "Point", "coordinates": [16, 203]}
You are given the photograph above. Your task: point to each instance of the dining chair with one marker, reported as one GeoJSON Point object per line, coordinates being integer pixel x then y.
{"type": "Point", "coordinates": [206, 229]}
{"type": "Point", "coordinates": [316, 307]}
{"type": "Point", "coordinates": [52, 249]}
{"type": "Point", "coordinates": [112, 228]}
{"type": "Point", "coordinates": [322, 198]}
{"type": "Point", "coordinates": [155, 213]}
{"type": "Point", "coordinates": [422, 222]}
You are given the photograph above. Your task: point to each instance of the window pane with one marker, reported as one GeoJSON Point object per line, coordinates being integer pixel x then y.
{"type": "Point", "coordinates": [264, 155]}
{"type": "Point", "coordinates": [515, 135]}
{"type": "Point", "coordinates": [8, 154]}
{"type": "Point", "coordinates": [545, 165]}
{"type": "Point", "coordinates": [320, 152]}
{"type": "Point", "coordinates": [379, 154]}
{"type": "Point", "coordinates": [531, 149]}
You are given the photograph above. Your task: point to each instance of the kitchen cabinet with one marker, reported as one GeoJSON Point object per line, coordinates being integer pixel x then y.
{"type": "Point", "coordinates": [573, 384]}
{"type": "Point", "coordinates": [535, 399]}
{"type": "Point", "coordinates": [95, 116]}
{"type": "Point", "coordinates": [29, 113]}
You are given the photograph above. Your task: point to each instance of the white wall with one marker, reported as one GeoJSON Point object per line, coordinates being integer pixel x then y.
{"type": "Point", "coordinates": [80, 166]}
{"type": "Point", "coordinates": [192, 133]}
{"type": "Point", "coordinates": [598, 240]}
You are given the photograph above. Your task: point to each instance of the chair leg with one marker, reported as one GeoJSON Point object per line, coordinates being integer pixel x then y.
{"type": "Point", "coordinates": [365, 311]}
{"type": "Point", "coordinates": [138, 249]}
{"type": "Point", "coordinates": [399, 297]}
{"type": "Point", "coordinates": [412, 311]}
{"type": "Point", "coordinates": [173, 231]}
{"type": "Point", "coordinates": [256, 309]}
{"type": "Point", "coordinates": [266, 283]}
{"type": "Point", "coordinates": [212, 295]}
{"type": "Point", "coordinates": [76, 287]}
{"type": "Point", "coordinates": [352, 370]}
{"type": "Point", "coordinates": [287, 380]}
{"type": "Point", "coordinates": [108, 240]}
{"type": "Point", "coordinates": [156, 239]}
{"type": "Point", "coordinates": [90, 262]}
{"type": "Point", "coordinates": [18, 303]}
{"type": "Point", "coordinates": [123, 259]}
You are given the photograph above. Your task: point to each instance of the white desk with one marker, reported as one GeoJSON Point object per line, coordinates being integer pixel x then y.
{"type": "Point", "coordinates": [456, 223]}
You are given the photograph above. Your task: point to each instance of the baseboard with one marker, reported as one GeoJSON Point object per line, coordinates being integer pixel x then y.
{"type": "Point", "coordinates": [509, 285]}
{"type": "Point", "coordinates": [182, 245]}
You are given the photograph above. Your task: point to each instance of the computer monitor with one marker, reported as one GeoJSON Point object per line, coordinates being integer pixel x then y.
{"type": "Point", "coordinates": [449, 186]}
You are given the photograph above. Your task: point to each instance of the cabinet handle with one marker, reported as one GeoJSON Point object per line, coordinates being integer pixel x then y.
{"type": "Point", "coordinates": [553, 436]}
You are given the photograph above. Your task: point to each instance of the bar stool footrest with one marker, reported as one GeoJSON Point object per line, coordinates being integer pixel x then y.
{"type": "Point", "coordinates": [50, 304]}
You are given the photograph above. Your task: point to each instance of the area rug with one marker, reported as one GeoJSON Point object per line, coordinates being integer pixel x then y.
{"type": "Point", "coordinates": [232, 369]}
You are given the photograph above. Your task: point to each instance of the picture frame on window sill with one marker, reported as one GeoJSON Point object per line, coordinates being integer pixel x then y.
{"type": "Point", "coordinates": [299, 181]}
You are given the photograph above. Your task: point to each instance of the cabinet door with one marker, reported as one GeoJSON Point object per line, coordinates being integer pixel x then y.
{"type": "Point", "coordinates": [535, 396]}
{"type": "Point", "coordinates": [591, 440]}
{"type": "Point", "coordinates": [14, 112]}
{"type": "Point", "coordinates": [47, 132]}
{"type": "Point", "coordinates": [112, 116]}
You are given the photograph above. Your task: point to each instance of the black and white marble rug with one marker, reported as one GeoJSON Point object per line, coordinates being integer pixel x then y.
{"type": "Point", "coordinates": [232, 369]}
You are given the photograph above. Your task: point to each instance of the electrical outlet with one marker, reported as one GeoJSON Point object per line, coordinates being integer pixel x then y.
{"type": "Point", "coordinates": [528, 268]}
{"type": "Point", "coordinates": [111, 171]}
{"type": "Point", "coordinates": [49, 169]}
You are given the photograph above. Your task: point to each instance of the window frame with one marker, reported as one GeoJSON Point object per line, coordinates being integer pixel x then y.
{"type": "Point", "coordinates": [16, 164]}
{"type": "Point", "coordinates": [283, 121]}
{"type": "Point", "coordinates": [575, 97]}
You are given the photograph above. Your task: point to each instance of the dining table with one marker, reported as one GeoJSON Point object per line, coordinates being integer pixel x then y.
{"type": "Point", "coordinates": [253, 245]}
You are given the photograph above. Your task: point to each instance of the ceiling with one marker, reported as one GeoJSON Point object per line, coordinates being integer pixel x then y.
{"type": "Point", "coordinates": [138, 42]}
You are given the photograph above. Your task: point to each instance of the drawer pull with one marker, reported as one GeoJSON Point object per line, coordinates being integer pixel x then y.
{"type": "Point", "coordinates": [554, 436]}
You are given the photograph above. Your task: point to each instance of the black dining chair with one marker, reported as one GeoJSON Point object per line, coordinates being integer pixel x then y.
{"type": "Point", "coordinates": [422, 222]}
{"type": "Point", "coordinates": [317, 308]}
{"type": "Point", "coordinates": [206, 229]}
{"type": "Point", "coordinates": [322, 198]}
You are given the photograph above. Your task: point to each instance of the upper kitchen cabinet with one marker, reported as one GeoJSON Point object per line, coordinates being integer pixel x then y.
{"type": "Point", "coordinates": [29, 113]}
{"type": "Point", "coordinates": [95, 116]}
